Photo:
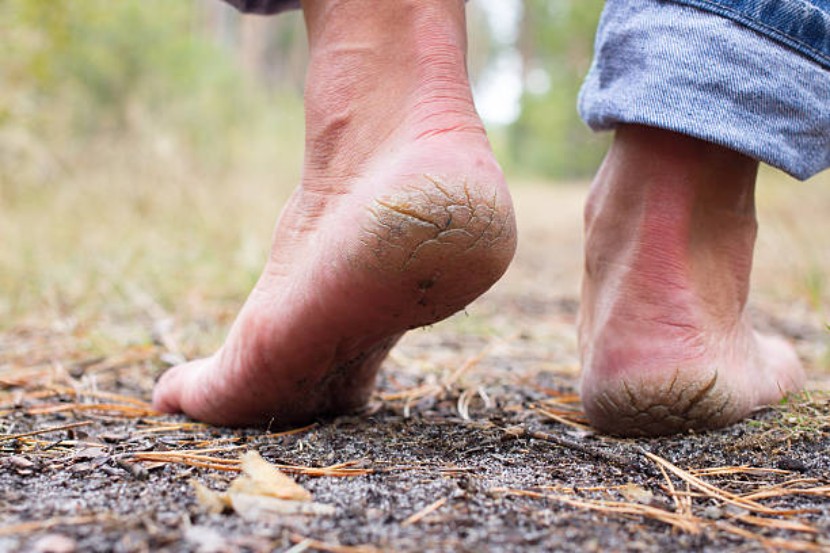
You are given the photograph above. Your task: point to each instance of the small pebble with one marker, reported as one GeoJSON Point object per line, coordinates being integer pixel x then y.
{"type": "Point", "coordinates": [375, 514]}
{"type": "Point", "coordinates": [20, 462]}
{"type": "Point", "coordinates": [513, 432]}
{"type": "Point", "coordinates": [113, 438]}
{"type": "Point", "coordinates": [713, 512]}
{"type": "Point", "coordinates": [788, 463]}
{"type": "Point", "coordinates": [55, 543]}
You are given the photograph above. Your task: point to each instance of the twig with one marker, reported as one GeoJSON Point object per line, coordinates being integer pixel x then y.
{"type": "Point", "coordinates": [772, 544]}
{"type": "Point", "coordinates": [592, 452]}
{"type": "Point", "coordinates": [424, 512]}
{"type": "Point", "coordinates": [333, 547]}
{"type": "Point", "coordinates": [563, 420]}
{"type": "Point", "coordinates": [718, 493]}
{"type": "Point", "coordinates": [233, 465]}
{"type": "Point", "coordinates": [289, 432]}
{"type": "Point", "coordinates": [691, 525]}
{"type": "Point", "coordinates": [125, 410]}
{"type": "Point", "coordinates": [45, 430]}
{"type": "Point", "coordinates": [37, 525]}
{"type": "Point", "coordinates": [794, 525]}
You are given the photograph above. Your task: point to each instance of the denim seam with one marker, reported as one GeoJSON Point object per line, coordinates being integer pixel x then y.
{"type": "Point", "coordinates": [770, 32]}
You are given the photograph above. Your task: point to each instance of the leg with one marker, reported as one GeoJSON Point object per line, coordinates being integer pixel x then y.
{"type": "Point", "coordinates": [402, 219]}
{"type": "Point", "coordinates": [665, 341]}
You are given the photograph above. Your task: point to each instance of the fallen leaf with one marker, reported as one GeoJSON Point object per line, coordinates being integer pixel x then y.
{"type": "Point", "coordinates": [55, 543]}
{"type": "Point", "coordinates": [637, 494]}
{"type": "Point", "coordinates": [205, 540]}
{"type": "Point", "coordinates": [211, 501]}
{"type": "Point", "coordinates": [260, 492]}
{"type": "Point", "coordinates": [259, 477]}
{"type": "Point", "coordinates": [261, 507]}
{"type": "Point", "coordinates": [20, 462]}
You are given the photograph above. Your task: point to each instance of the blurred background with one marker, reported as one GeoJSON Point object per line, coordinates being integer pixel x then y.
{"type": "Point", "coordinates": [153, 137]}
{"type": "Point", "coordinates": [146, 147]}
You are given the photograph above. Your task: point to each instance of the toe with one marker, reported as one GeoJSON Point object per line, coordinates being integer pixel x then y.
{"type": "Point", "coordinates": [783, 365]}
{"type": "Point", "coordinates": [167, 395]}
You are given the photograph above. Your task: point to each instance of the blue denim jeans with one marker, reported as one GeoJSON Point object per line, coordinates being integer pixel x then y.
{"type": "Point", "coordinates": [751, 75]}
{"type": "Point", "coordinates": [803, 25]}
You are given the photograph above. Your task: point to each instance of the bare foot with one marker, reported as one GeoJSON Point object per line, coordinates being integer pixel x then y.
{"type": "Point", "coordinates": [402, 219]}
{"type": "Point", "coordinates": [665, 341]}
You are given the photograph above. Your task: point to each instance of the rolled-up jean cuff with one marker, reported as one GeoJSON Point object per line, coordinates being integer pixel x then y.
{"type": "Point", "coordinates": [693, 72]}
{"type": "Point", "coordinates": [264, 7]}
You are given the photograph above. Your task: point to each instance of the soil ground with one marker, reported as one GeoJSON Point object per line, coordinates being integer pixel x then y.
{"type": "Point", "coordinates": [474, 442]}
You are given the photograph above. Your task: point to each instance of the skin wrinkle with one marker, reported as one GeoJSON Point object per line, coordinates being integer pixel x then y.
{"type": "Point", "coordinates": [674, 380]}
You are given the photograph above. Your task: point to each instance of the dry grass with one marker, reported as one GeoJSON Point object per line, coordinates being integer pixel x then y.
{"type": "Point", "coordinates": [690, 513]}
{"type": "Point", "coordinates": [138, 226]}
{"type": "Point", "coordinates": [134, 260]}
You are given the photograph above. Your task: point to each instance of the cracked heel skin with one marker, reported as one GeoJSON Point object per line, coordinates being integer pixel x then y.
{"type": "Point", "coordinates": [444, 240]}
{"type": "Point", "coordinates": [640, 407]}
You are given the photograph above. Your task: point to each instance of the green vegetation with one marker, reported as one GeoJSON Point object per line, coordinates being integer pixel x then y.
{"type": "Point", "coordinates": [549, 138]}
{"type": "Point", "coordinates": [76, 74]}
{"type": "Point", "coordinates": [146, 146]}
{"type": "Point", "coordinates": [123, 126]}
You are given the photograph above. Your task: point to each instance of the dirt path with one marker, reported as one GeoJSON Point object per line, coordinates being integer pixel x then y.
{"type": "Point", "coordinates": [474, 442]}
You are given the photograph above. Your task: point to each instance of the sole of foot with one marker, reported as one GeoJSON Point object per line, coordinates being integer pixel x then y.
{"type": "Point", "coordinates": [418, 236]}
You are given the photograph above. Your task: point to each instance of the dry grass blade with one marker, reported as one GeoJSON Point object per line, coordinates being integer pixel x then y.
{"type": "Point", "coordinates": [341, 470]}
{"type": "Point", "coordinates": [691, 525]}
{"type": "Point", "coordinates": [333, 471]}
{"type": "Point", "coordinates": [410, 394]}
{"type": "Point", "coordinates": [45, 430]}
{"type": "Point", "coordinates": [431, 508]}
{"type": "Point", "coordinates": [771, 544]}
{"type": "Point", "coordinates": [446, 383]}
{"type": "Point", "coordinates": [291, 432]}
{"type": "Point", "coordinates": [568, 418]}
{"type": "Point", "coordinates": [201, 461]}
{"type": "Point", "coordinates": [208, 450]}
{"type": "Point", "coordinates": [162, 429]}
{"type": "Point", "coordinates": [792, 525]}
{"type": "Point", "coordinates": [717, 493]}
{"type": "Point", "coordinates": [123, 410]}
{"type": "Point", "coordinates": [559, 398]}
{"type": "Point", "coordinates": [197, 456]}
{"type": "Point", "coordinates": [40, 525]}
{"type": "Point", "coordinates": [576, 489]}
{"type": "Point", "coordinates": [743, 469]}
{"type": "Point", "coordinates": [679, 506]}
{"type": "Point", "coordinates": [57, 390]}
{"type": "Point", "coordinates": [25, 379]}
{"type": "Point", "coordinates": [333, 547]}
{"type": "Point", "coordinates": [822, 491]}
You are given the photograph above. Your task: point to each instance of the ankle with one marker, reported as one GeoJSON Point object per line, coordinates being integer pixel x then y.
{"type": "Point", "coordinates": [652, 167]}
{"type": "Point", "coordinates": [396, 72]}
{"type": "Point", "coordinates": [672, 218]}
